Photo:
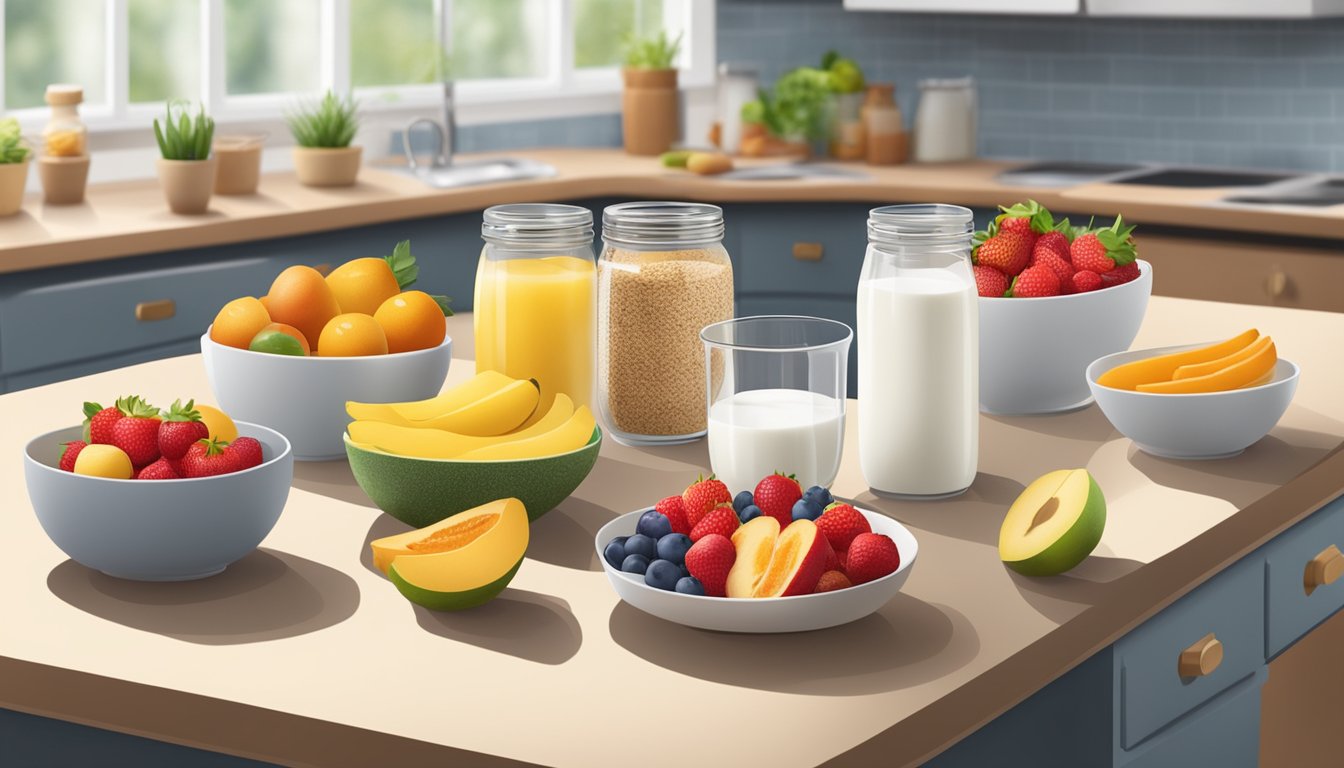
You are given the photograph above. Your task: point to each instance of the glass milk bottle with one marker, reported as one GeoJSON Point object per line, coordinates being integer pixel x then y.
{"type": "Point", "coordinates": [919, 421]}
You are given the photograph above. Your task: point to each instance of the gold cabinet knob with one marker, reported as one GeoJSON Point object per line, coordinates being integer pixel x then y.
{"type": "Point", "coordinates": [1323, 569]}
{"type": "Point", "coordinates": [1200, 659]}
{"type": "Point", "coordinates": [808, 251]}
{"type": "Point", "coordinates": [1276, 284]}
{"type": "Point", "coordinates": [149, 311]}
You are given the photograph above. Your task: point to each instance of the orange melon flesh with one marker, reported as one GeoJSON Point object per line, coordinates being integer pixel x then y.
{"type": "Point", "coordinates": [1162, 367]}
{"type": "Point", "coordinates": [1194, 370]}
{"type": "Point", "coordinates": [454, 536]}
{"type": "Point", "coordinates": [446, 535]}
{"type": "Point", "coordinates": [1234, 376]}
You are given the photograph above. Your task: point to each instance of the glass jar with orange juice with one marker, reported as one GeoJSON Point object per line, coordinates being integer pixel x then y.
{"type": "Point", "coordinates": [534, 309]}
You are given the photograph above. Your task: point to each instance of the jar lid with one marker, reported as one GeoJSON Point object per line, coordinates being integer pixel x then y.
{"type": "Point", "coordinates": [537, 224]}
{"type": "Point", "coordinates": [922, 223]}
{"type": "Point", "coordinates": [737, 69]}
{"type": "Point", "coordinates": [661, 223]}
{"type": "Point", "coordinates": [947, 83]}
{"type": "Point", "coordinates": [64, 94]}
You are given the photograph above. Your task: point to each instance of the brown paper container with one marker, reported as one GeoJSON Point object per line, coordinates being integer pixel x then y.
{"type": "Point", "coordinates": [187, 184]}
{"type": "Point", "coordinates": [13, 177]}
{"type": "Point", "coordinates": [649, 113]}
{"type": "Point", "coordinates": [327, 166]}
{"type": "Point", "coordinates": [239, 164]}
{"type": "Point", "coordinates": [63, 179]}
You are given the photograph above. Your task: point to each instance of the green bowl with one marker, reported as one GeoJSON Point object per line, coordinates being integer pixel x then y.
{"type": "Point", "coordinates": [422, 492]}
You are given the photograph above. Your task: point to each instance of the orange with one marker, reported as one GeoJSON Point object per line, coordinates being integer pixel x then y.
{"type": "Point", "coordinates": [218, 422]}
{"type": "Point", "coordinates": [363, 285]}
{"type": "Point", "coordinates": [238, 322]}
{"type": "Point", "coordinates": [300, 297]}
{"type": "Point", "coordinates": [352, 335]}
{"type": "Point", "coordinates": [292, 331]}
{"type": "Point", "coordinates": [411, 320]}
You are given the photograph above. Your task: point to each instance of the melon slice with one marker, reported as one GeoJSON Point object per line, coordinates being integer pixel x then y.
{"type": "Point", "coordinates": [1054, 524]}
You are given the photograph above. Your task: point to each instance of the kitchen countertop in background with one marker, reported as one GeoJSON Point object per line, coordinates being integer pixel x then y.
{"type": "Point", "coordinates": [130, 218]}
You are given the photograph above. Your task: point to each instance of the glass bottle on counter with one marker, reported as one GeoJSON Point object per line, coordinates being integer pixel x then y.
{"type": "Point", "coordinates": [884, 126]}
{"type": "Point", "coordinates": [919, 381]}
{"type": "Point", "coordinates": [662, 277]}
{"type": "Point", "coordinates": [736, 87]}
{"type": "Point", "coordinates": [65, 134]}
{"type": "Point", "coordinates": [534, 309]}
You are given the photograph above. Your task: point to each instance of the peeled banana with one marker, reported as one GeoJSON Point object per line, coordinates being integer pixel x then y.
{"type": "Point", "coordinates": [429, 443]}
{"type": "Point", "coordinates": [570, 436]}
{"type": "Point", "coordinates": [482, 385]}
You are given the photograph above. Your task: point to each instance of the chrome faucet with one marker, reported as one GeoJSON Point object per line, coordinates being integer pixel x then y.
{"type": "Point", "coordinates": [446, 130]}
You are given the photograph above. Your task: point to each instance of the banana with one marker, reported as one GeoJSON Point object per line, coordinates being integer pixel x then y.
{"type": "Point", "coordinates": [422, 443]}
{"type": "Point", "coordinates": [571, 435]}
{"type": "Point", "coordinates": [498, 413]}
{"type": "Point", "coordinates": [482, 385]}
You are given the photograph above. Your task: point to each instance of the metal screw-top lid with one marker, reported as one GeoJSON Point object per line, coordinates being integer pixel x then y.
{"type": "Point", "coordinates": [932, 223]}
{"type": "Point", "coordinates": [537, 224]}
{"type": "Point", "coordinates": [662, 224]}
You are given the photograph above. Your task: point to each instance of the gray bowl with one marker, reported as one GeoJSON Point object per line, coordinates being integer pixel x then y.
{"type": "Point", "coordinates": [158, 530]}
{"type": "Point", "coordinates": [1211, 425]}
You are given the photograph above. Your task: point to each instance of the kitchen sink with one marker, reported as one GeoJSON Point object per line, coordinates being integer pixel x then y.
{"type": "Point", "coordinates": [1199, 178]}
{"type": "Point", "coordinates": [1063, 174]}
{"type": "Point", "coordinates": [467, 173]}
{"type": "Point", "coordinates": [1316, 194]}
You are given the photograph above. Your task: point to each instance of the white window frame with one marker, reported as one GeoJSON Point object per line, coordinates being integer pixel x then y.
{"type": "Point", "coordinates": [562, 92]}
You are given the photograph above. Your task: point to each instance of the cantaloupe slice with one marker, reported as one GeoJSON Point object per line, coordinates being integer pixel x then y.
{"type": "Point", "coordinates": [1234, 376]}
{"type": "Point", "coordinates": [1160, 368]}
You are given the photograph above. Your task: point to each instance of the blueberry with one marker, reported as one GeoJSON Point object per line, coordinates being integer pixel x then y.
{"type": "Point", "coordinates": [689, 585]}
{"type": "Point", "coordinates": [615, 551]}
{"type": "Point", "coordinates": [685, 571]}
{"type": "Point", "coordinates": [635, 564]}
{"type": "Point", "coordinates": [741, 500]}
{"type": "Point", "coordinates": [639, 544]}
{"type": "Point", "coordinates": [819, 496]}
{"type": "Point", "coordinates": [749, 512]}
{"type": "Point", "coordinates": [653, 524]}
{"type": "Point", "coordinates": [803, 509]}
{"type": "Point", "coordinates": [662, 574]}
{"type": "Point", "coordinates": [673, 547]}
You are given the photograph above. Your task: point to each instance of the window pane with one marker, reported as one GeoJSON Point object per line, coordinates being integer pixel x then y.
{"type": "Point", "coordinates": [271, 45]}
{"type": "Point", "coordinates": [392, 42]}
{"type": "Point", "coordinates": [499, 38]}
{"type": "Point", "coordinates": [165, 43]}
{"type": "Point", "coordinates": [603, 27]}
{"type": "Point", "coordinates": [53, 41]}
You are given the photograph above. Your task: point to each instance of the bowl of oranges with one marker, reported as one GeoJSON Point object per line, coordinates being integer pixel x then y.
{"type": "Point", "coordinates": [292, 358]}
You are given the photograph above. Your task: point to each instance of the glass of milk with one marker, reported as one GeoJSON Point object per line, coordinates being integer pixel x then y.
{"type": "Point", "coordinates": [776, 398]}
{"type": "Point", "coordinates": [919, 420]}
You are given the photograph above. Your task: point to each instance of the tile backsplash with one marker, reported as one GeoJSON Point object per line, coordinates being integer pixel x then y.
{"type": "Point", "coordinates": [1243, 93]}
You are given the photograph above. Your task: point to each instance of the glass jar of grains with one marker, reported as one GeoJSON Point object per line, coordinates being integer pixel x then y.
{"type": "Point", "coordinates": [663, 276]}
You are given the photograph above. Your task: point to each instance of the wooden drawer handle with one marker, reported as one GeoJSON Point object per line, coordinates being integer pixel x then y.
{"type": "Point", "coordinates": [1323, 569]}
{"type": "Point", "coordinates": [1200, 659]}
{"type": "Point", "coordinates": [1276, 284]}
{"type": "Point", "coordinates": [149, 311]}
{"type": "Point", "coordinates": [323, 269]}
{"type": "Point", "coordinates": [808, 251]}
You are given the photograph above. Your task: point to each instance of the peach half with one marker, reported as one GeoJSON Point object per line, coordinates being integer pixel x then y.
{"type": "Point", "coordinates": [797, 563]}
{"type": "Point", "coordinates": [755, 543]}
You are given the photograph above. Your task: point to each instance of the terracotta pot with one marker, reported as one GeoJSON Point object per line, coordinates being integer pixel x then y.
{"type": "Point", "coordinates": [649, 112]}
{"type": "Point", "coordinates": [63, 178]}
{"type": "Point", "coordinates": [239, 164]}
{"type": "Point", "coordinates": [187, 184]}
{"type": "Point", "coordinates": [13, 177]}
{"type": "Point", "coordinates": [327, 166]}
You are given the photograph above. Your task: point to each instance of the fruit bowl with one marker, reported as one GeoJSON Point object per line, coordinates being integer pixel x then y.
{"type": "Point", "coordinates": [421, 492]}
{"type": "Point", "coordinates": [1207, 425]}
{"type": "Point", "coordinates": [158, 530]}
{"type": "Point", "coordinates": [304, 397]}
{"type": "Point", "coordinates": [800, 613]}
{"type": "Point", "coordinates": [1033, 352]}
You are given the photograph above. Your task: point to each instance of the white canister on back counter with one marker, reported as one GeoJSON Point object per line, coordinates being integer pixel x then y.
{"type": "Point", "coordinates": [919, 418]}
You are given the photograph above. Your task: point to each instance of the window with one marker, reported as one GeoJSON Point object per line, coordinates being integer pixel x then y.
{"type": "Point", "coordinates": [602, 27]}
{"type": "Point", "coordinates": [270, 46]}
{"type": "Point", "coordinates": [53, 41]}
{"type": "Point", "coordinates": [163, 43]}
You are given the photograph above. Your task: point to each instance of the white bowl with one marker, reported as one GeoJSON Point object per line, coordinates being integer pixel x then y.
{"type": "Point", "coordinates": [1033, 351]}
{"type": "Point", "coordinates": [304, 397]}
{"type": "Point", "coordinates": [1210, 425]}
{"type": "Point", "coordinates": [158, 530]}
{"type": "Point", "coordinates": [800, 613]}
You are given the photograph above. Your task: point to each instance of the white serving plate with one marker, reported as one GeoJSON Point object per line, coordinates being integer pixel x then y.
{"type": "Point", "coordinates": [800, 613]}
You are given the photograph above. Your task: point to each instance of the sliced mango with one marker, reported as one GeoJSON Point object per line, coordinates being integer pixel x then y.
{"type": "Point", "coordinates": [1194, 370]}
{"type": "Point", "coordinates": [430, 443]}
{"type": "Point", "coordinates": [570, 436]}
{"type": "Point", "coordinates": [482, 385]}
{"type": "Point", "coordinates": [1234, 376]}
{"type": "Point", "coordinates": [1161, 367]}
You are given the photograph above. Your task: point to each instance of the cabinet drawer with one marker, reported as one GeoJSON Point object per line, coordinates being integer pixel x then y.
{"type": "Point", "coordinates": [1304, 577]}
{"type": "Point", "coordinates": [1153, 691]}
{"type": "Point", "coordinates": [1225, 731]}
{"type": "Point", "coordinates": [812, 250]}
{"type": "Point", "coordinates": [840, 310]}
{"type": "Point", "coordinates": [1245, 273]}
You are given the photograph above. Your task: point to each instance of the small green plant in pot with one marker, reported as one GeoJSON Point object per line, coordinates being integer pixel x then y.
{"type": "Point", "coordinates": [323, 132]}
{"type": "Point", "coordinates": [14, 156]}
{"type": "Point", "coordinates": [186, 166]}
{"type": "Point", "coordinates": [649, 119]}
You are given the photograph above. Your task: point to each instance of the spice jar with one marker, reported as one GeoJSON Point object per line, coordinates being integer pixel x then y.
{"type": "Point", "coordinates": [65, 134]}
{"type": "Point", "coordinates": [884, 126]}
{"type": "Point", "coordinates": [662, 277]}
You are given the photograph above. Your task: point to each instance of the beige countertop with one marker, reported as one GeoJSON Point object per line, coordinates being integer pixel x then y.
{"type": "Point", "coordinates": [303, 654]}
{"type": "Point", "coordinates": [130, 218]}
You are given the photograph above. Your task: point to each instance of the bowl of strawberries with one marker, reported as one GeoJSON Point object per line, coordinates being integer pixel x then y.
{"type": "Point", "coordinates": [1053, 298]}
{"type": "Point", "coordinates": [158, 495]}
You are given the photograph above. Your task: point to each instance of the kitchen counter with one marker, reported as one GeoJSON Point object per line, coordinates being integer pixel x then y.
{"type": "Point", "coordinates": [130, 218]}
{"type": "Point", "coordinates": [303, 654]}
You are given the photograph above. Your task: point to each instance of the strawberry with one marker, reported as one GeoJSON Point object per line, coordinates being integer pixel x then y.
{"type": "Point", "coordinates": [137, 431]}
{"type": "Point", "coordinates": [69, 453]}
{"type": "Point", "coordinates": [1007, 252]}
{"type": "Point", "coordinates": [160, 470]}
{"type": "Point", "coordinates": [840, 523]}
{"type": "Point", "coordinates": [207, 458]}
{"type": "Point", "coordinates": [721, 520]}
{"type": "Point", "coordinates": [831, 581]}
{"type": "Point", "coordinates": [1121, 274]}
{"type": "Point", "coordinates": [1035, 282]}
{"type": "Point", "coordinates": [1104, 249]}
{"type": "Point", "coordinates": [1085, 280]}
{"type": "Point", "coordinates": [832, 559]}
{"type": "Point", "coordinates": [703, 495]}
{"type": "Point", "coordinates": [989, 282]}
{"type": "Point", "coordinates": [181, 427]}
{"type": "Point", "coordinates": [1054, 240]}
{"type": "Point", "coordinates": [871, 556]}
{"type": "Point", "coordinates": [709, 560]}
{"type": "Point", "coordinates": [1029, 218]}
{"type": "Point", "coordinates": [1061, 267]}
{"type": "Point", "coordinates": [675, 511]}
{"type": "Point", "coordinates": [1018, 225]}
{"type": "Point", "coordinates": [246, 452]}
{"type": "Point", "coordinates": [98, 422]}
{"type": "Point", "coordinates": [775, 494]}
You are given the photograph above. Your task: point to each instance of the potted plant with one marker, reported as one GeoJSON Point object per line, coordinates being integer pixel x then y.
{"type": "Point", "coordinates": [649, 119]}
{"type": "Point", "coordinates": [186, 168]}
{"type": "Point", "coordinates": [13, 167]}
{"type": "Point", "coordinates": [324, 157]}
{"type": "Point", "coordinates": [794, 119]}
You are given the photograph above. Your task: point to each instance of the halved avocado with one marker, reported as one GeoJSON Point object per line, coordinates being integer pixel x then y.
{"type": "Point", "coordinates": [1054, 524]}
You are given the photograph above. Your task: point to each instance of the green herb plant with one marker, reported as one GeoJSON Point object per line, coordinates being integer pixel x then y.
{"type": "Point", "coordinates": [184, 138]}
{"type": "Point", "coordinates": [12, 148]}
{"type": "Point", "coordinates": [330, 124]}
{"type": "Point", "coordinates": [799, 108]}
{"type": "Point", "coordinates": [652, 52]}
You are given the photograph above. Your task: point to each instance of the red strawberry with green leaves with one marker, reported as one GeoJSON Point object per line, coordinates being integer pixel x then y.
{"type": "Point", "coordinates": [1085, 280]}
{"type": "Point", "coordinates": [776, 494]}
{"type": "Point", "coordinates": [1102, 250]}
{"type": "Point", "coordinates": [989, 282]}
{"type": "Point", "coordinates": [1121, 274]}
{"type": "Point", "coordinates": [246, 452]}
{"type": "Point", "coordinates": [1007, 252]}
{"type": "Point", "coordinates": [674, 510]}
{"type": "Point", "coordinates": [1034, 283]}
{"type": "Point", "coordinates": [703, 495]}
{"type": "Point", "coordinates": [1029, 218]}
{"type": "Point", "coordinates": [721, 520]}
{"type": "Point", "coordinates": [871, 556]}
{"type": "Point", "coordinates": [98, 422]}
{"type": "Point", "coordinates": [1062, 269]}
{"type": "Point", "coordinates": [840, 523]}
{"type": "Point", "coordinates": [69, 452]}
{"type": "Point", "coordinates": [1056, 240]}
{"type": "Point", "coordinates": [207, 458]}
{"type": "Point", "coordinates": [709, 560]}
{"type": "Point", "coordinates": [137, 431]}
{"type": "Point", "coordinates": [162, 469]}
{"type": "Point", "coordinates": [181, 427]}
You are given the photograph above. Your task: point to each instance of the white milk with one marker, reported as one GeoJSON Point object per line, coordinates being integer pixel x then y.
{"type": "Point", "coordinates": [918, 383]}
{"type": "Point", "coordinates": [755, 433]}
